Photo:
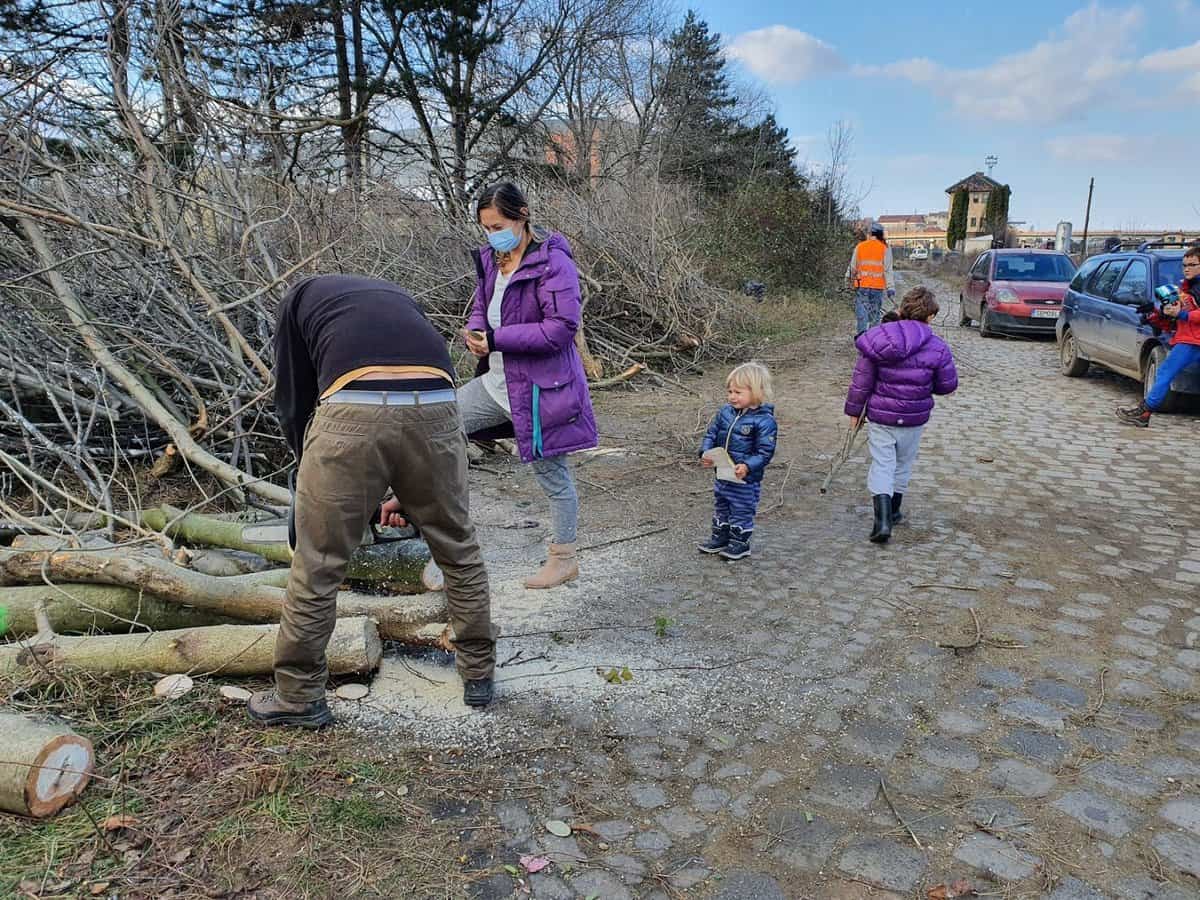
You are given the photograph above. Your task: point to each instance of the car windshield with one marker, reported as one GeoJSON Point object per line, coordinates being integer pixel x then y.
{"type": "Point", "coordinates": [1034, 267]}
{"type": "Point", "coordinates": [1170, 271]}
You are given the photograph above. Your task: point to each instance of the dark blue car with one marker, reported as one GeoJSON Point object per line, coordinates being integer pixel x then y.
{"type": "Point", "coordinates": [1100, 324]}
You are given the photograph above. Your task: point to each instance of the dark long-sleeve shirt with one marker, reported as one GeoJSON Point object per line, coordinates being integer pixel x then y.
{"type": "Point", "coordinates": [334, 328]}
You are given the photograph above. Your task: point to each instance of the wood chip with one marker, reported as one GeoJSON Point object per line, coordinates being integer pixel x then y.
{"type": "Point", "coordinates": [234, 693]}
{"type": "Point", "coordinates": [352, 691]}
{"type": "Point", "coordinates": [172, 687]}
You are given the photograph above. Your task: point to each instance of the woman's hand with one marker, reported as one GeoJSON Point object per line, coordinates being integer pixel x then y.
{"type": "Point", "coordinates": [854, 420]}
{"type": "Point", "coordinates": [741, 470]}
{"type": "Point", "coordinates": [476, 344]}
{"type": "Point", "coordinates": [389, 515]}
{"type": "Point", "coordinates": [706, 462]}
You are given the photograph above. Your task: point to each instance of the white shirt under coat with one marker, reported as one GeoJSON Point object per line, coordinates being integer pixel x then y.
{"type": "Point", "coordinates": [493, 379]}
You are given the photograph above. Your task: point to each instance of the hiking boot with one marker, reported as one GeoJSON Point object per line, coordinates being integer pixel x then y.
{"type": "Point", "coordinates": [271, 709]}
{"type": "Point", "coordinates": [477, 692]}
{"type": "Point", "coordinates": [739, 543]}
{"type": "Point", "coordinates": [1137, 416]}
{"type": "Point", "coordinates": [560, 567]}
{"type": "Point", "coordinates": [883, 519]}
{"type": "Point", "coordinates": [719, 540]}
{"type": "Point", "coordinates": [897, 516]}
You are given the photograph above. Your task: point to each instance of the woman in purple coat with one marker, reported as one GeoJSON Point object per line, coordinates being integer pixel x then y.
{"type": "Point", "coordinates": [901, 365]}
{"type": "Point", "coordinates": [530, 381]}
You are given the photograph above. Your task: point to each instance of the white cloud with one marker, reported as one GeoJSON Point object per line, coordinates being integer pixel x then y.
{"type": "Point", "coordinates": [1043, 84]}
{"type": "Point", "coordinates": [1099, 148]}
{"type": "Point", "coordinates": [784, 55]}
{"type": "Point", "coordinates": [1179, 59]}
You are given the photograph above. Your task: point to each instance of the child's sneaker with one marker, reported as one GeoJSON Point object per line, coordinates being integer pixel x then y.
{"type": "Point", "coordinates": [719, 540]}
{"type": "Point", "coordinates": [739, 543]}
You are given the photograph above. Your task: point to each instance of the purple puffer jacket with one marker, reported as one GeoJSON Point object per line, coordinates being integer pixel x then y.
{"type": "Point", "coordinates": [901, 365]}
{"type": "Point", "coordinates": [539, 315]}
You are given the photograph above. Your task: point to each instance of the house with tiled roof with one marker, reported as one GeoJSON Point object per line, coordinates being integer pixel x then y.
{"type": "Point", "coordinates": [978, 187]}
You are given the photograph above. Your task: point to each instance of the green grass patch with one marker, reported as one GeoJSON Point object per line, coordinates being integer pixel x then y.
{"type": "Point", "coordinates": [779, 321]}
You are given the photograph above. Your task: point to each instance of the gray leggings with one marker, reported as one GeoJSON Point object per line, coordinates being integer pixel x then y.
{"type": "Point", "coordinates": [553, 474]}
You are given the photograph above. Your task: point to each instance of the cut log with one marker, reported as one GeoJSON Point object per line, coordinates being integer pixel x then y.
{"type": "Point", "coordinates": [247, 598]}
{"type": "Point", "coordinates": [225, 649]}
{"type": "Point", "coordinates": [43, 766]}
{"type": "Point", "coordinates": [399, 563]}
{"type": "Point", "coordinates": [88, 608]}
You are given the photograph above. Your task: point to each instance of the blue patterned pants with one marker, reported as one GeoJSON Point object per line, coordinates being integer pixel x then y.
{"type": "Point", "coordinates": [735, 504]}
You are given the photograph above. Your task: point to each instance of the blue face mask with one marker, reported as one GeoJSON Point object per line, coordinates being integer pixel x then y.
{"type": "Point", "coordinates": [503, 241]}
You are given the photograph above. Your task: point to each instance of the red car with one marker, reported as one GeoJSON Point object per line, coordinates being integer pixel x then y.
{"type": "Point", "coordinates": [1016, 291]}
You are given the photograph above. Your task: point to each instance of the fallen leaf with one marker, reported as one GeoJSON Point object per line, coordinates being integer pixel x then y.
{"type": "Point", "coordinates": [808, 817]}
{"type": "Point", "coordinates": [511, 870]}
{"type": "Point", "coordinates": [181, 856]}
{"type": "Point", "coordinates": [626, 675]}
{"type": "Point", "coordinates": [963, 888]}
{"type": "Point", "coordinates": [99, 888]}
{"type": "Point", "coordinates": [116, 823]}
{"type": "Point", "coordinates": [558, 828]}
{"type": "Point", "coordinates": [534, 863]}
{"type": "Point", "coordinates": [937, 892]}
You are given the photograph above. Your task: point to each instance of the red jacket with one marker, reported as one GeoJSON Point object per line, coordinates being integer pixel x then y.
{"type": "Point", "coordinates": [1186, 328]}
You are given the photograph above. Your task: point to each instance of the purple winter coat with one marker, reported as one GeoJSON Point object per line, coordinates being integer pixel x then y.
{"type": "Point", "coordinates": [539, 315]}
{"type": "Point", "coordinates": [901, 365]}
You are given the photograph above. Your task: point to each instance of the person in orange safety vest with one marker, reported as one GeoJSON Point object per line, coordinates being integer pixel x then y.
{"type": "Point", "coordinates": [870, 273]}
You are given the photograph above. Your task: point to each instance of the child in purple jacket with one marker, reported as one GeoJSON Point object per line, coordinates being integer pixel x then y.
{"type": "Point", "coordinates": [901, 365]}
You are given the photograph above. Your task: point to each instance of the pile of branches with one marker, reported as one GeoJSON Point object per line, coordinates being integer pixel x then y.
{"type": "Point", "coordinates": [140, 295]}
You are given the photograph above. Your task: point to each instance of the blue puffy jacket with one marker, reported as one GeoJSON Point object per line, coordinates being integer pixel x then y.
{"type": "Point", "coordinates": [747, 435]}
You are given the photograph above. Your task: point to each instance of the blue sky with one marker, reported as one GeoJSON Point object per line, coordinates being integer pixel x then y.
{"type": "Point", "coordinates": [1059, 91]}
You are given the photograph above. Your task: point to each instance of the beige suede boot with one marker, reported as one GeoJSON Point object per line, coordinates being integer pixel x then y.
{"type": "Point", "coordinates": [560, 568]}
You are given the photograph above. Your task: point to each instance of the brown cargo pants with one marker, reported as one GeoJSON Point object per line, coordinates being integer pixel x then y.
{"type": "Point", "coordinates": [352, 453]}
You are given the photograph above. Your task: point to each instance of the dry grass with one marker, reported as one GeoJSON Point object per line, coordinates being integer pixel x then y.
{"type": "Point", "coordinates": [221, 808]}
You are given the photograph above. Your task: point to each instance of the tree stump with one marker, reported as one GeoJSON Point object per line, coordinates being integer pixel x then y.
{"type": "Point", "coordinates": [43, 766]}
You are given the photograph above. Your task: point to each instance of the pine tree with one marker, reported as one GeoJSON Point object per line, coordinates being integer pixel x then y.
{"type": "Point", "coordinates": [698, 107]}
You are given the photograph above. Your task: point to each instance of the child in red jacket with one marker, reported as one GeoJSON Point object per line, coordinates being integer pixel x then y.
{"type": "Point", "coordinates": [1182, 319]}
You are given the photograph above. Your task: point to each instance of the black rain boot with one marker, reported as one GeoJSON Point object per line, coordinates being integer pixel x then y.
{"type": "Point", "coordinates": [739, 543]}
{"type": "Point", "coordinates": [883, 519]}
{"type": "Point", "coordinates": [897, 516]}
{"type": "Point", "coordinates": [719, 540]}
{"type": "Point", "coordinates": [1138, 416]}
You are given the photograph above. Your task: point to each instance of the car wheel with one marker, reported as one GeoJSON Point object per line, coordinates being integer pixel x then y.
{"type": "Point", "coordinates": [1172, 402]}
{"type": "Point", "coordinates": [985, 321]}
{"type": "Point", "coordinates": [964, 320]}
{"type": "Point", "coordinates": [1069, 360]}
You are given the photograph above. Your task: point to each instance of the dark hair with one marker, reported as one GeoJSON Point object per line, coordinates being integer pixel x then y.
{"type": "Point", "coordinates": [506, 198]}
{"type": "Point", "coordinates": [919, 304]}
{"type": "Point", "coordinates": [1192, 251]}
{"type": "Point", "coordinates": [890, 316]}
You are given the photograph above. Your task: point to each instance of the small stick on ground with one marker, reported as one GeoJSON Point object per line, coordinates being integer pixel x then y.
{"type": "Point", "coordinates": [957, 648]}
{"type": "Point", "coordinates": [1090, 715]}
{"type": "Point", "coordinates": [629, 537]}
{"type": "Point", "coordinates": [952, 587]}
{"type": "Point", "coordinates": [896, 813]}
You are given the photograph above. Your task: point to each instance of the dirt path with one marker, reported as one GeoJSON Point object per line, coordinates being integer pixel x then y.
{"type": "Point", "coordinates": [743, 758]}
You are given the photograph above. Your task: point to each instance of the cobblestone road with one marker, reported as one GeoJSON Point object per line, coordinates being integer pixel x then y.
{"type": "Point", "coordinates": [845, 754]}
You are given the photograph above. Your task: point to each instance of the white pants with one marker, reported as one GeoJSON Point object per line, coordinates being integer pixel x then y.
{"type": "Point", "coordinates": [893, 452]}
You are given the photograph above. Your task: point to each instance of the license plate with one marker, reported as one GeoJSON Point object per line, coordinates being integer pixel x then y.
{"type": "Point", "coordinates": [1044, 314]}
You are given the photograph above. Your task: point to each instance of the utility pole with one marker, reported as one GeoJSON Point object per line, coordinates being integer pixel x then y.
{"type": "Point", "coordinates": [1087, 217]}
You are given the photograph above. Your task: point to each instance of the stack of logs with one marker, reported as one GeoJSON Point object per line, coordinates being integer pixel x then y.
{"type": "Point", "coordinates": [85, 603]}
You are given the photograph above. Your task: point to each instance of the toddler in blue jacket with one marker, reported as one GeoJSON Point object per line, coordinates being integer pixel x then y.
{"type": "Point", "coordinates": [746, 428]}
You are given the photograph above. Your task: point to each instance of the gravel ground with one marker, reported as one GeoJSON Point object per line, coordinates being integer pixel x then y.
{"type": "Point", "coordinates": [793, 729]}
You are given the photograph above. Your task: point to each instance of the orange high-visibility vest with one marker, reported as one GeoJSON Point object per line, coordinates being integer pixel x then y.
{"type": "Point", "coordinates": [869, 257]}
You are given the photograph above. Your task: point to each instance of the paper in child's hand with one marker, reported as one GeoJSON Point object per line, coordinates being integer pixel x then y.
{"type": "Point", "coordinates": [723, 463]}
